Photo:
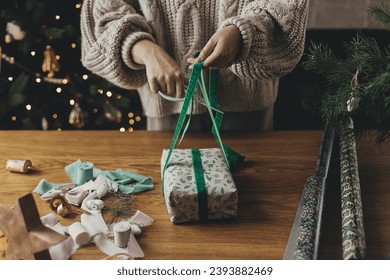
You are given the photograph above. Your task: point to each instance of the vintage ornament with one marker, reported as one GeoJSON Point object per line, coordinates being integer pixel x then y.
{"type": "Point", "coordinates": [353, 103]}
{"type": "Point", "coordinates": [77, 116]}
{"type": "Point", "coordinates": [15, 31]}
{"type": "Point", "coordinates": [113, 114]}
{"type": "Point", "coordinates": [44, 123]}
{"type": "Point", "coordinates": [8, 38]}
{"type": "Point", "coordinates": [50, 64]}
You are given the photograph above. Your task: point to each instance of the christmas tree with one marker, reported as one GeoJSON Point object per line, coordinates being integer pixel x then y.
{"type": "Point", "coordinates": [353, 86]}
{"type": "Point", "coordinates": [42, 82]}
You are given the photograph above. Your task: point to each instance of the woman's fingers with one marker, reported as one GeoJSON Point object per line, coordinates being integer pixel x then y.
{"type": "Point", "coordinates": [221, 50]}
{"type": "Point", "coordinates": [164, 75]}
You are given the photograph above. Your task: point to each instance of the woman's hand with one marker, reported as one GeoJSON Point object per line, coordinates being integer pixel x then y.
{"type": "Point", "coordinates": [162, 71]}
{"type": "Point", "coordinates": [222, 48]}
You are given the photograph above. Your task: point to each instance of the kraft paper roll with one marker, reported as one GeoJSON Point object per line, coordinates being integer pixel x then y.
{"type": "Point", "coordinates": [79, 234]}
{"type": "Point", "coordinates": [122, 233]}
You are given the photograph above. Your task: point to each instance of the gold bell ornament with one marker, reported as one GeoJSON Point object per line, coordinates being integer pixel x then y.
{"type": "Point", "coordinates": [50, 64]}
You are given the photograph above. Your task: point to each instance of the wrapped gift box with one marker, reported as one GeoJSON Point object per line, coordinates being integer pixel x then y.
{"type": "Point", "coordinates": [183, 200]}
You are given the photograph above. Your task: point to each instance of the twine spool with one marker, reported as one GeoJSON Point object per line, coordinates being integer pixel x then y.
{"type": "Point", "coordinates": [84, 173]}
{"type": "Point", "coordinates": [19, 165]}
{"type": "Point", "coordinates": [79, 234]}
{"type": "Point", "coordinates": [122, 233]}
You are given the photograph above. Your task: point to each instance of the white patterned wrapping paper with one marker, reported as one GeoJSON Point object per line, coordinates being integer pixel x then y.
{"type": "Point", "coordinates": [180, 191]}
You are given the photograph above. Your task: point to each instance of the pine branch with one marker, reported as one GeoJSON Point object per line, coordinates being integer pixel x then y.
{"type": "Point", "coordinates": [382, 13]}
{"type": "Point", "coordinates": [361, 76]}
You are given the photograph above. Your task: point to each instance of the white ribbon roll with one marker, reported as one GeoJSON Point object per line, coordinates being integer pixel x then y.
{"type": "Point", "coordinates": [122, 233]}
{"type": "Point", "coordinates": [79, 234]}
{"type": "Point", "coordinates": [95, 204]}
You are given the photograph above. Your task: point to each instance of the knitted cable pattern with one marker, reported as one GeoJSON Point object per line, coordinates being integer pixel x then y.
{"type": "Point", "coordinates": [273, 35]}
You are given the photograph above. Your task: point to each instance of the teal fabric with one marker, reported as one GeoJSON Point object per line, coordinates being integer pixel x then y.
{"type": "Point", "coordinates": [128, 181]}
{"type": "Point", "coordinates": [44, 186]}
{"type": "Point", "coordinates": [84, 173]}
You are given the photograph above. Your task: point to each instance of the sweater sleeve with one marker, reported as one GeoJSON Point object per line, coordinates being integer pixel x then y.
{"type": "Point", "coordinates": [109, 29]}
{"type": "Point", "coordinates": [273, 33]}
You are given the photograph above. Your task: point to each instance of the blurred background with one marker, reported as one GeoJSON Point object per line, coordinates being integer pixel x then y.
{"type": "Point", "coordinates": [43, 85]}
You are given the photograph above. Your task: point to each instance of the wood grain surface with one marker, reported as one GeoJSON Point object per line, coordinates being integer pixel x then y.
{"type": "Point", "coordinates": [270, 184]}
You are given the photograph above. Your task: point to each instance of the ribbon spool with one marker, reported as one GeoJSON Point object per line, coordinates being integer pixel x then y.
{"type": "Point", "coordinates": [122, 233]}
{"type": "Point", "coordinates": [19, 165]}
{"type": "Point", "coordinates": [84, 173]}
{"type": "Point", "coordinates": [79, 234]}
{"type": "Point", "coordinates": [95, 204]}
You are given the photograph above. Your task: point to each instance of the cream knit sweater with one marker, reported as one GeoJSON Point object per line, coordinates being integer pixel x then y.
{"type": "Point", "coordinates": [273, 33]}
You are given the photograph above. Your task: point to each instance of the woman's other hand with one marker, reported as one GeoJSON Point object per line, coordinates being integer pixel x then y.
{"type": "Point", "coordinates": [162, 71]}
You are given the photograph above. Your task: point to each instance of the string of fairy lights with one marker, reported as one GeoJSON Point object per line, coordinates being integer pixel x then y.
{"type": "Point", "coordinates": [74, 117]}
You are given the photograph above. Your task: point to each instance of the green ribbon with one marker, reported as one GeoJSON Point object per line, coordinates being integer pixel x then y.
{"type": "Point", "coordinates": [196, 77]}
{"type": "Point", "coordinates": [200, 185]}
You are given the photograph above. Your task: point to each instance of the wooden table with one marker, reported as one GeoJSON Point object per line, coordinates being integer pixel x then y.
{"type": "Point", "coordinates": [269, 183]}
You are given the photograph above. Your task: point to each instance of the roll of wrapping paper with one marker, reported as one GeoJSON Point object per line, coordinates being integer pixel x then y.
{"type": "Point", "coordinates": [304, 238]}
{"type": "Point", "coordinates": [353, 236]}
{"type": "Point", "coordinates": [309, 220]}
